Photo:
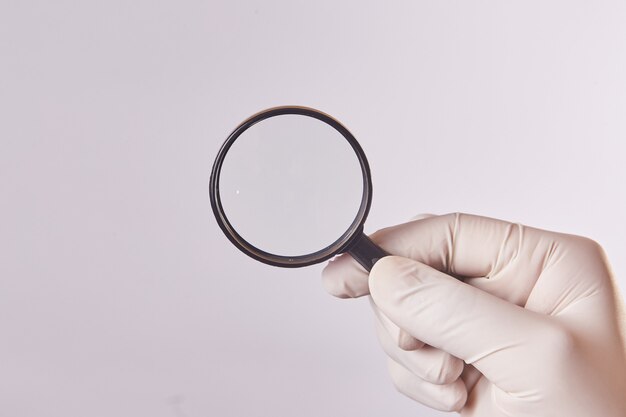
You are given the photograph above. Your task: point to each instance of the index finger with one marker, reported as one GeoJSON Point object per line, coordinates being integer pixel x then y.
{"type": "Point", "coordinates": [458, 244]}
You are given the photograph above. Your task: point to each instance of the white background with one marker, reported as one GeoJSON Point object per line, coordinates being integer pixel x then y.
{"type": "Point", "coordinates": [119, 296]}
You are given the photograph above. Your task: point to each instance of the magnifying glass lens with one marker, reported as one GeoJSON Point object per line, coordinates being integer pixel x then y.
{"type": "Point", "coordinates": [291, 185]}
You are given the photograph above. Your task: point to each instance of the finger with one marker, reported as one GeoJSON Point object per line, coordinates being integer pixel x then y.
{"type": "Point", "coordinates": [502, 258]}
{"type": "Point", "coordinates": [344, 277]}
{"type": "Point", "coordinates": [461, 244]}
{"type": "Point", "coordinates": [408, 342]}
{"type": "Point", "coordinates": [470, 324]}
{"type": "Point", "coordinates": [456, 243]}
{"type": "Point", "coordinates": [448, 397]}
{"type": "Point", "coordinates": [428, 363]}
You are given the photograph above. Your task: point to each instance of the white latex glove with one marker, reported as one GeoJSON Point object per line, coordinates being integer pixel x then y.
{"type": "Point", "coordinates": [534, 329]}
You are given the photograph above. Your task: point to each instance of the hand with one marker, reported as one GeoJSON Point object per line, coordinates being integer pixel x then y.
{"type": "Point", "coordinates": [532, 328]}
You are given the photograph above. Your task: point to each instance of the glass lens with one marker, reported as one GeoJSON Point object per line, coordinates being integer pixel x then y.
{"type": "Point", "coordinates": [291, 185]}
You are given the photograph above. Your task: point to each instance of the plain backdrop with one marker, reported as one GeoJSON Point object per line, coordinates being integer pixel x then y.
{"type": "Point", "coordinates": [119, 295]}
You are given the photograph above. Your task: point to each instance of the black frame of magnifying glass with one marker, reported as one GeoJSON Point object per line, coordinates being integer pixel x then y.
{"type": "Point", "coordinates": [352, 240]}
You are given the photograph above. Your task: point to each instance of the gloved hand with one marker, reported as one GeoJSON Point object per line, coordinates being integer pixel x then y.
{"type": "Point", "coordinates": [532, 329]}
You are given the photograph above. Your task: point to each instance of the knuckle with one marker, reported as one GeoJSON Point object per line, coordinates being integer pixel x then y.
{"type": "Point", "coordinates": [455, 400]}
{"type": "Point", "coordinates": [589, 259]}
{"type": "Point", "coordinates": [445, 370]}
{"type": "Point", "coordinates": [408, 343]}
{"type": "Point", "coordinates": [586, 248]}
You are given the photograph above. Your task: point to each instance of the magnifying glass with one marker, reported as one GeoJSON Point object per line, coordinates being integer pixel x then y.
{"type": "Point", "coordinates": [291, 187]}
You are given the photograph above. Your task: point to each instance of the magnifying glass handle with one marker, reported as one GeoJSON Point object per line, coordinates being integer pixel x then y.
{"type": "Point", "coordinates": [366, 252]}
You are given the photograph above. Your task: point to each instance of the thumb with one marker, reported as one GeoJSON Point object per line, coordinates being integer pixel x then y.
{"type": "Point", "coordinates": [501, 339]}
